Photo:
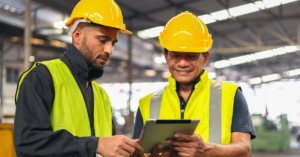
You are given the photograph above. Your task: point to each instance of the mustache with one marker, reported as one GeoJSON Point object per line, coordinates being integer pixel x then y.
{"type": "Point", "coordinates": [104, 56]}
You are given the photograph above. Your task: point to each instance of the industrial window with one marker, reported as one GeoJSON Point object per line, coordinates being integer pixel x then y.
{"type": "Point", "coordinates": [12, 75]}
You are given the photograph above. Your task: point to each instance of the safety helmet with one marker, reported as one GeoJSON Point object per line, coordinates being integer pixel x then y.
{"type": "Point", "coordinates": [102, 12]}
{"type": "Point", "coordinates": [186, 33]}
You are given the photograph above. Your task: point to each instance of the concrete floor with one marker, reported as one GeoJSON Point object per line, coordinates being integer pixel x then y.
{"type": "Point", "coordinates": [293, 152]}
{"type": "Point", "coordinates": [290, 153]}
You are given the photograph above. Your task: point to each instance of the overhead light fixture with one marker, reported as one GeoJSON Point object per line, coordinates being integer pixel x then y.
{"type": "Point", "coordinates": [221, 64]}
{"type": "Point", "coordinates": [243, 9]}
{"type": "Point", "coordinates": [260, 5]}
{"type": "Point", "coordinates": [272, 77]}
{"type": "Point", "coordinates": [60, 24]}
{"type": "Point", "coordinates": [255, 56]}
{"type": "Point", "coordinates": [150, 33]}
{"type": "Point", "coordinates": [293, 72]}
{"type": "Point", "coordinates": [6, 7]}
{"type": "Point", "coordinates": [256, 80]}
{"type": "Point", "coordinates": [150, 73]}
{"type": "Point", "coordinates": [222, 15]}
{"type": "Point", "coordinates": [212, 75]}
{"type": "Point", "coordinates": [240, 60]}
{"type": "Point", "coordinates": [207, 19]}
{"type": "Point", "coordinates": [264, 54]}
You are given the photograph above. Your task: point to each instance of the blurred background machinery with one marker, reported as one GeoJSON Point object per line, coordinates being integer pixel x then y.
{"type": "Point", "coordinates": [271, 135]}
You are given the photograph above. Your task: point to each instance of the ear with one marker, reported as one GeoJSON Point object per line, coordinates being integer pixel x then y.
{"type": "Point", "coordinates": [206, 56]}
{"type": "Point", "coordinates": [77, 35]}
{"type": "Point", "coordinates": [166, 57]}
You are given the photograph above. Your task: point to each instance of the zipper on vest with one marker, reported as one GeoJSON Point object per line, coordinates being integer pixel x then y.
{"type": "Point", "coordinates": [88, 98]}
{"type": "Point", "coordinates": [182, 111]}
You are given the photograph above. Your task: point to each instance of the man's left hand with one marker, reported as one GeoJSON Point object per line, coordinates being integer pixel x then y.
{"type": "Point", "coordinates": [190, 146]}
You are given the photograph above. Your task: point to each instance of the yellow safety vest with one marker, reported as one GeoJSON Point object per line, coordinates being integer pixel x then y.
{"type": "Point", "coordinates": [211, 102]}
{"type": "Point", "coordinates": [69, 109]}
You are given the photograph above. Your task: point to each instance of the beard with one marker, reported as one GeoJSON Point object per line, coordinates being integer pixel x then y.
{"type": "Point", "coordinates": [88, 56]}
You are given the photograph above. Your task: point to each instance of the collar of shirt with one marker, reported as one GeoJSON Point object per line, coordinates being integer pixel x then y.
{"type": "Point", "coordinates": [79, 65]}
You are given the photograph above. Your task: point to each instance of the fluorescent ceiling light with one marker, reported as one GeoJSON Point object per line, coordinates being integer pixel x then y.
{"type": "Point", "coordinates": [271, 3]}
{"type": "Point", "coordinates": [207, 19]}
{"type": "Point", "coordinates": [243, 9]}
{"type": "Point", "coordinates": [220, 15]}
{"type": "Point", "coordinates": [221, 64]}
{"type": "Point", "coordinates": [212, 75]}
{"type": "Point", "coordinates": [255, 56]}
{"type": "Point", "coordinates": [256, 80]}
{"type": "Point", "coordinates": [288, 1]}
{"type": "Point", "coordinates": [289, 49]}
{"type": "Point", "coordinates": [260, 5]}
{"type": "Point", "coordinates": [264, 54]}
{"type": "Point", "coordinates": [293, 72]}
{"type": "Point", "coordinates": [272, 77]}
{"type": "Point", "coordinates": [150, 33]}
{"type": "Point", "coordinates": [240, 60]}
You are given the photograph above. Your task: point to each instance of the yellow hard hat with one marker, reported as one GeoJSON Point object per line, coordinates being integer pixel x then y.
{"type": "Point", "coordinates": [102, 12]}
{"type": "Point", "coordinates": [186, 33]}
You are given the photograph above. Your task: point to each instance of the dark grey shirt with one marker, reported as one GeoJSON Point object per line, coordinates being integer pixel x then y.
{"type": "Point", "coordinates": [241, 120]}
{"type": "Point", "coordinates": [33, 133]}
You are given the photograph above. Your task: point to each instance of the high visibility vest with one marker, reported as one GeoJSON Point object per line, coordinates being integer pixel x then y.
{"type": "Point", "coordinates": [69, 110]}
{"type": "Point", "coordinates": [212, 102]}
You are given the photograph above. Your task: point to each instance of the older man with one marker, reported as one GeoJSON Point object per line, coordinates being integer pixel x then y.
{"type": "Point", "coordinates": [225, 127]}
{"type": "Point", "coordinates": [61, 111]}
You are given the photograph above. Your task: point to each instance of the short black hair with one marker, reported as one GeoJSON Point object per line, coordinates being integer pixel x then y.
{"type": "Point", "coordinates": [166, 51]}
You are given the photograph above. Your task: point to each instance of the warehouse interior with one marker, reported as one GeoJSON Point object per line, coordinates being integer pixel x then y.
{"type": "Point", "coordinates": [256, 44]}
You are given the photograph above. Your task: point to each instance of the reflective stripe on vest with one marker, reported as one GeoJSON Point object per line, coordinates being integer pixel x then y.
{"type": "Point", "coordinates": [215, 105]}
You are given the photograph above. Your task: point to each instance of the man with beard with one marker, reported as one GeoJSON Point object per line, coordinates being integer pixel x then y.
{"type": "Point", "coordinates": [61, 111]}
{"type": "Point", "coordinates": [225, 127]}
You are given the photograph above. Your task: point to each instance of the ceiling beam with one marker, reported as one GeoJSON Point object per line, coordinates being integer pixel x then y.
{"type": "Point", "coordinates": [279, 36]}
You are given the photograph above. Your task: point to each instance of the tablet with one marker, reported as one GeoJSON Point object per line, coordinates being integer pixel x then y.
{"type": "Point", "coordinates": [158, 131]}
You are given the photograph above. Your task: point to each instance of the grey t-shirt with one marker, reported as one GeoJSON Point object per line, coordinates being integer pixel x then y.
{"type": "Point", "coordinates": [241, 119]}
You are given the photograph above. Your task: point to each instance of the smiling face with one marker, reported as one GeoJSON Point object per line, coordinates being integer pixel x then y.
{"type": "Point", "coordinates": [186, 67]}
{"type": "Point", "coordinates": [95, 43]}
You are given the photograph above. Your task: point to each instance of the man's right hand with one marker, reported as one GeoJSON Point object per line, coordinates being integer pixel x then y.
{"type": "Point", "coordinates": [117, 146]}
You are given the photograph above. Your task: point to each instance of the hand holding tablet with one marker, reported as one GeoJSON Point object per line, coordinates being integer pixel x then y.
{"type": "Point", "coordinates": [159, 131]}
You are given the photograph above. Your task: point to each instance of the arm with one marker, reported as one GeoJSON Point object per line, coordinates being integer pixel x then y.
{"type": "Point", "coordinates": [33, 133]}
{"type": "Point", "coordinates": [242, 132]}
{"type": "Point", "coordinates": [194, 146]}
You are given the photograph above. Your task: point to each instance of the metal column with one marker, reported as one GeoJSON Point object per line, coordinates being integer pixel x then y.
{"type": "Point", "coordinates": [27, 36]}
{"type": "Point", "coordinates": [1, 76]}
{"type": "Point", "coordinates": [129, 74]}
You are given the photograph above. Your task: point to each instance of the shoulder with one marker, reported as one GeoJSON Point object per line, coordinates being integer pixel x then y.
{"type": "Point", "coordinates": [39, 72]}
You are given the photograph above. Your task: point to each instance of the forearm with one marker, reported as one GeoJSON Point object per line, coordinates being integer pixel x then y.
{"type": "Point", "coordinates": [237, 149]}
